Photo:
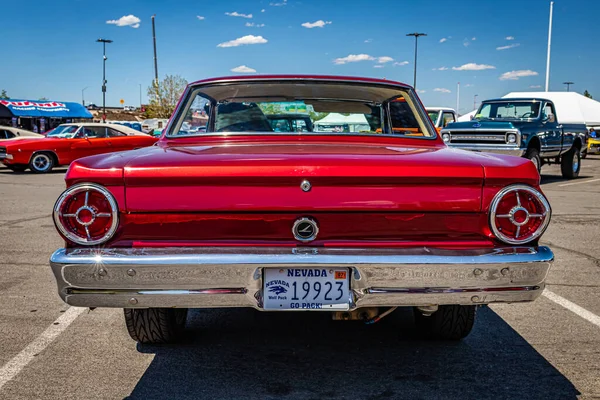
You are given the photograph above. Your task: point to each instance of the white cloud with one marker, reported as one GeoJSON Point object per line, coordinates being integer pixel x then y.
{"type": "Point", "coordinates": [378, 66]}
{"type": "Point", "coordinates": [368, 40]}
{"type": "Point", "coordinates": [317, 24]}
{"type": "Point", "coordinates": [263, 10]}
{"type": "Point", "coordinates": [237, 14]}
{"type": "Point", "coordinates": [469, 85]}
{"type": "Point", "coordinates": [252, 24]}
{"type": "Point", "coordinates": [510, 38]}
{"type": "Point", "coordinates": [401, 63]}
{"type": "Point", "coordinates": [353, 58]}
{"type": "Point", "coordinates": [243, 69]}
{"type": "Point", "coordinates": [384, 59]}
{"type": "Point", "coordinates": [283, 3]}
{"type": "Point", "coordinates": [421, 91]}
{"type": "Point", "coordinates": [248, 39]}
{"type": "Point", "coordinates": [535, 86]}
{"type": "Point", "coordinates": [441, 90]}
{"type": "Point", "coordinates": [473, 38]}
{"type": "Point", "coordinates": [440, 69]}
{"type": "Point", "coordinates": [510, 46]}
{"type": "Point", "coordinates": [442, 40]}
{"type": "Point", "coordinates": [514, 75]}
{"type": "Point", "coordinates": [473, 67]}
{"type": "Point", "coordinates": [126, 20]}
{"type": "Point", "coordinates": [200, 17]}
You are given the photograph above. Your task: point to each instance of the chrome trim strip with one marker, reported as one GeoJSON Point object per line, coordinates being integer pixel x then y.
{"type": "Point", "coordinates": [512, 150]}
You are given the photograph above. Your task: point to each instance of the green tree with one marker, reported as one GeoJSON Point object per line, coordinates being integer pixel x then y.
{"type": "Point", "coordinates": [3, 95]}
{"type": "Point", "coordinates": [587, 94]}
{"type": "Point", "coordinates": [164, 96]}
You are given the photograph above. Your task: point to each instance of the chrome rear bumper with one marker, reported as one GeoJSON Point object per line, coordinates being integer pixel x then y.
{"type": "Point", "coordinates": [233, 277]}
{"type": "Point", "coordinates": [511, 150]}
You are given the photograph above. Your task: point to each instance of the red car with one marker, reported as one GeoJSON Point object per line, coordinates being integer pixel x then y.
{"type": "Point", "coordinates": [68, 142]}
{"type": "Point", "coordinates": [353, 223]}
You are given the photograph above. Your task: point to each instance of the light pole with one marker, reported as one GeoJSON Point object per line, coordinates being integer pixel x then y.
{"type": "Point", "coordinates": [568, 85]}
{"type": "Point", "coordinates": [416, 35]}
{"type": "Point", "coordinates": [475, 101]}
{"type": "Point", "coordinates": [82, 99]}
{"type": "Point", "coordinates": [104, 41]}
{"type": "Point", "coordinates": [140, 95]}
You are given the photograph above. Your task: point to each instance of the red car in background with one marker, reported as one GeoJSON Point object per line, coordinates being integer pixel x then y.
{"type": "Point", "coordinates": [68, 142]}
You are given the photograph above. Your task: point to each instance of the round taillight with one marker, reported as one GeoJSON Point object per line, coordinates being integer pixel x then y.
{"type": "Point", "coordinates": [519, 214]}
{"type": "Point", "coordinates": [86, 214]}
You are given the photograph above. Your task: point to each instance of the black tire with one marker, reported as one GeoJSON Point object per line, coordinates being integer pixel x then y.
{"type": "Point", "coordinates": [17, 168]}
{"type": "Point", "coordinates": [570, 163]}
{"type": "Point", "coordinates": [155, 325]}
{"type": "Point", "coordinates": [41, 163]}
{"type": "Point", "coordinates": [534, 156]}
{"type": "Point", "coordinates": [452, 322]}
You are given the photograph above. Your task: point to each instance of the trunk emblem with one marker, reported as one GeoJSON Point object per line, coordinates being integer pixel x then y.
{"type": "Point", "coordinates": [305, 186]}
{"type": "Point", "coordinates": [305, 229]}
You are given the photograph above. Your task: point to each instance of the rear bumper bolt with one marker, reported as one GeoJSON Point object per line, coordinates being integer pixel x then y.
{"type": "Point", "coordinates": [133, 301]}
{"type": "Point", "coordinates": [475, 299]}
{"type": "Point", "coordinates": [131, 272]}
{"type": "Point", "coordinates": [477, 272]}
{"type": "Point", "coordinates": [102, 272]}
{"type": "Point", "coordinates": [504, 271]}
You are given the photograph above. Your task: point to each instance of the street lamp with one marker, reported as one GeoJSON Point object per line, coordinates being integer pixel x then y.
{"type": "Point", "coordinates": [82, 99]}
{"type": "Point", "coordinates": [568, 85]}
{"type": "Point", "coordinates": [416, 35]}
{"type": "Point", "coordinates": [104, 41]}
{"type": "Point", "coordinates": [140, 95]}
{"type": "Point", "coordinates": [475, 101]}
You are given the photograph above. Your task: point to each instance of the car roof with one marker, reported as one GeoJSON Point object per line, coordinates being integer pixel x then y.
{"type": "Point", "coordinates": [329, 78]}
{"type": "Point", "coordinates": [120, 127]}
{"type": "Point", "coordinates": [440, 108]}
{"type": "Point", "coordinates": [515, 99]}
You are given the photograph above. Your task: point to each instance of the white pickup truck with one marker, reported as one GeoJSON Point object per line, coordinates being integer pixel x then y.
{"type": "Point", "coordinates": [441, 116]}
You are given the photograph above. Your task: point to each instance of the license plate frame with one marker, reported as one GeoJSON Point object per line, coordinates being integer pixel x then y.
{"type": "Point", "coordinates": [280, 293]}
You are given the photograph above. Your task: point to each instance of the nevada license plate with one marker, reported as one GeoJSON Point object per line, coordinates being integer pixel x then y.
{"type": "Point", "coordinates": [306, 289]}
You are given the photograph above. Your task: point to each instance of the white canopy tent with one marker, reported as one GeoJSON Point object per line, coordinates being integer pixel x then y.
{"type": "Point", "coordinates": [355, 122]}
{"type": "Point", "coordinates": [571, 107]}
{"type": "Point", "coordinates": [467, 117]}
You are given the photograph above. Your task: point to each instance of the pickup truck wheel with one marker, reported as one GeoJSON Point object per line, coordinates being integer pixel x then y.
{"type": "Point", "coordinates": [534, 156]}
{"type": "Point", "coordinates": [570, 164]}
{"type": "Point", "coordinates": [155, 325]}
{"type": "Point", "coordinates": [451, 322]}
{"type": "Point", "coordinates": [41, 163]}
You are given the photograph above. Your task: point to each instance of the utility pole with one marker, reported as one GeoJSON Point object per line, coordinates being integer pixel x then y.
{"type": "Point", "coordinates": [568, 85]}
{"type": "Point", "coordinates": [155, 60]}
{"type": "Point", "coordinates": [140, 95]}
{"type": "Point", "coordinates": [475, 102]}
{"type": "Point", "coordinates": [82, 99]}
{"type": "Point", "coordinates": [416, 35]}
{"type": "Point", "coordinates": [458, 97]}
{"type": "Point", "coordinates": [104, 41]}
{"type": "Point", "coordinates": [549, 45]}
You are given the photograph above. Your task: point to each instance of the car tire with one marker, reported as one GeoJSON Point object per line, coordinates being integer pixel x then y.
{"type": "Point", "coordinates": [534, 156]}
{"type": "Point", "coordinates": [449, 322]}
{"type": "Point", "coordinates": [155, 325]}
{"type": "Point", "coordinates": [41, 163]}
{"type": "Point", "coordinates": [570, 163]}
{"type": "Point", "coordinates": [17, 168]}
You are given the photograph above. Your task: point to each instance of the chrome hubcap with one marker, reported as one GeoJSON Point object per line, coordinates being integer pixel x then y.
{"type": "Point", "coordinates": [41, 162]}
{"type": "Point", "coordinates": [575, 162]}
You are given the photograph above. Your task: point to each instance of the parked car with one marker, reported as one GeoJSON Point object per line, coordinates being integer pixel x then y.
{"type": "Point", "coordinates": [68, 142]}
{"type": "Point", "coordinates": [352, 223]}
{"type": "Point", "coordinates": [441, 116]}
{"type": "Point", "coordinates": [525, 127]}
{"type": "Point", "coordinates": [92, 106]}
{"type": "Point", "coordinates": [129, 108]}
{"type": "Point", "coordinates": [290, 122]}
{"type": "Point", "coordinates": [8, 132]}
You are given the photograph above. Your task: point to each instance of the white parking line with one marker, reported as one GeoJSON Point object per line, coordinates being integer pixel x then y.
{"type": "Point", "coordinates": [579, 182]}
{"type": "Point", "coordinates": [569, 305]}
{"type": "Point", "coordinates": [20, 361]}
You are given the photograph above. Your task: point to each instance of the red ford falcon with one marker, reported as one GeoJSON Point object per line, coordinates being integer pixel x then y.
{"type": "Point", "coordinates": [68, 142]}
{"type": "Point", "coordinates": [361, 211]}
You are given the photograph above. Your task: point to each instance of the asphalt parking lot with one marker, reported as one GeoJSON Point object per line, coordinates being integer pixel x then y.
{"type": "Point", "coordinates": [546, 349]}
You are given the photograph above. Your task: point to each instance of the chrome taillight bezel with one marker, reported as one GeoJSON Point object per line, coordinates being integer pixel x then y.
{"type": "Point", "coordinates": [81, 188]}
{"type": "Point", "coordinates": [546, 215]}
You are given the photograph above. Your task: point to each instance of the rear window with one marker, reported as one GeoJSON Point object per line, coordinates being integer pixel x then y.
{"type": "Point", "coordinates": [300, 108]}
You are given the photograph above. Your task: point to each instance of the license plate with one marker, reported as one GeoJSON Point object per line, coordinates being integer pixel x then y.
{"type": "Point", "coordinates": [306, 289]}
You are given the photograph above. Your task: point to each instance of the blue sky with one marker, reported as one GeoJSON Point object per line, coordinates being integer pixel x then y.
{"type": "Point", "coordinates": [50, 47]}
